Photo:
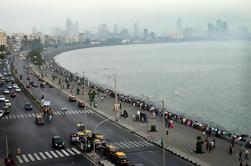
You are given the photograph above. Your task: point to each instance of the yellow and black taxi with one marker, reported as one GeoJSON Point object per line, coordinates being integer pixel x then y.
{"type": "Point", "coordinates": [39, 119]}
{"type": "Point", "coordinates": [72, 98]}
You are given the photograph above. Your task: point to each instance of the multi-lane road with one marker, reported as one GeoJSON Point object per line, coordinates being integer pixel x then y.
{"type": "Point", "coordinates": [35, 141]}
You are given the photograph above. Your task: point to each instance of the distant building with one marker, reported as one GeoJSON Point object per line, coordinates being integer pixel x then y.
{"type": "Point", "coordinates": [176, 35]}
{"type": "Point", "coordinates": [102, 32]}
{"type": "Point", "coordinates": [179, 25]}
{"type": "Point", "coordinates": [3, 38]}
{"type": "Point", "coordinates": [135, 31]}
{"type": "Point", "coordinates": [69, 27]}
{"type": "Point", "coordinates": [81, 37]}
{"type": "Point", "coordinates": [115, 29]}
{"type": "Point", "coordinates": [145, 33]}
{"type": "Point", "coordinates": [124, 34]}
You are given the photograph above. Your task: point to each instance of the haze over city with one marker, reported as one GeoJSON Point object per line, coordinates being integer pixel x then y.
{"type": "Point", "coordinates": [158, 15]}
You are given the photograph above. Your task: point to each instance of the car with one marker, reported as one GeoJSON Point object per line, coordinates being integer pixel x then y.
{"type": "Point", "coordinates": [50, 86]}
{"type": "Point", "coordinates": [1, 113]}
{"type": "Point", "coordinates": [18, 89]}
{"type": "Point", "coordinates": [14, 86]}
{"type": "Point", "coordinates": [9, 86]}
{"type": "Point", "coordinates": [28, 85]}
{"type": "Point", "coordinates": [28, 78]}
{"type": "Point", "coordinates": [13, 94]}
{"type": "Point", "coordinates": [81, 104]}
{"type": "Point", "coordinates": [72, 99]}
{"type": "Point", "coordinates": [34, 85]}
{"type": "Point", "coordinates": [39, 119]}
{"type": "Point", "coordinates": [7, 103]}
{"type": "Point", "coordinates": [6, 109]}
{"type": "Point", "coordinates": [6, 91]}
{"type": "Point", "coordinates": [57, 142]}
{"type": "Point", "coordinates": [20, 77]}
{"type": "Point", "coordinates": [28, 106]}
{"type": "Point", "coordinates": [2, 98]}
{"type": "Point", "coordinates": [5, 74]}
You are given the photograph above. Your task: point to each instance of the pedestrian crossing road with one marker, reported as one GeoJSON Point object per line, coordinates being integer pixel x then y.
{"type": "Point", "coordinates": [31, 157]}
{"type": "Point", "coordinates": [33, 114]}
{"type": "Point", "coordinates": [132, 144]}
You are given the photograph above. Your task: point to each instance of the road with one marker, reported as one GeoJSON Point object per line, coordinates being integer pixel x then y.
{"type": "Point", "coordinates": [34, 141]}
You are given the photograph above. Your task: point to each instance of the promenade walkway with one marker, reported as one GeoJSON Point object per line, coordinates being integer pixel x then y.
{"type": "Point", "coordinates": [181, 139]}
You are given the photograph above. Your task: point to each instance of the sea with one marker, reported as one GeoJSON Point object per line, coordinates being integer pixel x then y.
{"type": "Point", "coordinates": [205, 81]}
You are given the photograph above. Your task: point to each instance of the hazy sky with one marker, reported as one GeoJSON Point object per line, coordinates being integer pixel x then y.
{"type": "Point", "coordinates": [157, 15]}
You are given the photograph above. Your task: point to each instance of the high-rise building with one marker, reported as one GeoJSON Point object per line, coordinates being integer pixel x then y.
{"type": "Point", "coordinates": [69, 27]}
{"type": "Point", "coordinates": [115, 29]}
{"type": "Point", "coordinates": [145, 33]}
{"type": "Point", "coordinates": [135, 31]}
{"type": "Point", "coordinates": [75, 28]}
{"type": "Point", "coordinates": [34, 30]}
{"type": "Point", "coordinates": [179, 25]}
{"type": "Point", "coordinates": [3, 39]}
{"type": "Point", "coordinates": [102, 31]}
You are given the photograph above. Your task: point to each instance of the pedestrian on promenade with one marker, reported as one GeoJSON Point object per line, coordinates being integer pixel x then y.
{"type": "Point", "coordinates": [240, 155]}
{"type": "Point", "coordinates": [230, 149]}
{"type": "Point", "coordinates": [209, 147]}
{"type": "Point", "coordinates": [246, 154]}
{"type": "Point", "coordinates": [213, 143]}
{"type": "Point", "coordinates": [102, 98]}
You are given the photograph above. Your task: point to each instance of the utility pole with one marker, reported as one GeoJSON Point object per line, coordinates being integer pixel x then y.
{"type": "Point", "coordinates": [163, 138]}
{"type": "Point", "coordinates": [116, 98]}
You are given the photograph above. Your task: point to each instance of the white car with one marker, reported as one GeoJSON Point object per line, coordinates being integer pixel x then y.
{"type": "Point", "coordinates": [6, 91]}
{"type": "Point", "coordinates": [7, 103]}
{"type": "Point", "coordinates": [1, 113]}
{"type": "Point", "coordinates": [18, 89]}
{"type": "Point", "coordinates": [2, 98]}
{"type": "Point", "coordinates": [14, 86]}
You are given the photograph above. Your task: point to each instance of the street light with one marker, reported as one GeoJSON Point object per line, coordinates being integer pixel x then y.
{"type": "Point", "coordinates": [94, 131]}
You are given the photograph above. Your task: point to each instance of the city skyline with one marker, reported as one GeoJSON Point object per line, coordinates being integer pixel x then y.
{"type": "Point", "coordinates": [157, 16]}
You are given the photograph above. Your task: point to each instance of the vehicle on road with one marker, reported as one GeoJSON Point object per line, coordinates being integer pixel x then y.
{"type": "Point", "coordinates": [57, 142]}
{"type": "Point", "coordinates": [28, 106]}
{"type": "Point", "coordinates": [6, 109]}
{"type": "Point", "coordinates": [34, 85]}
{"type": "Point", "coordinates": [18, 89]}
{"type": "Point", "coordinates": [6, 91]}
{"type": "Point", "coordinates": [28, 85]}
{"type": "Point", "coordinates": [7, 103]}
{"type": "Point", "coordinates": [28, 78]}
{"type": "Point", "coordinates": [14, 86]}
{"type": "Point", "coordinates": [39, 119]}
{"type": "Point", "coordinates": [9, 86]}
{"type": "Point", "coordinates": [72, 99]}
{"type": "Point", "coordinates": [2, 98]}
{"type": "Point", "coordinates": [50, 86]}
{"type": "Point", "coordinates": [42, 85]}
{"type": "Point", "coordinates": [81, 104]}
{"type": "Point", "coordinates": [13, 94]}
{"type": "Point", "coordinates": [20, 77]}
{"type": "Point", "coordinates": [1, 113]}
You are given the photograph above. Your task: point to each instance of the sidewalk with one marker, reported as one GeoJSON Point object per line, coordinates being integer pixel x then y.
{"type": "Point", "coordinates": [181, 139]}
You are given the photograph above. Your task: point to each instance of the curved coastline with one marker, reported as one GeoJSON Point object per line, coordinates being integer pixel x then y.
{"type": "Point", "coordinates": [50, 54]}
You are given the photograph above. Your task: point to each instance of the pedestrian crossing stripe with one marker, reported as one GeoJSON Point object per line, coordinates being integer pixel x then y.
{"type": "Point", "coordinates": [132, 144]}
{"type": "Point", "coordinates": [30, 115]}
{"type": "Point", "coordinates": [31, 157]}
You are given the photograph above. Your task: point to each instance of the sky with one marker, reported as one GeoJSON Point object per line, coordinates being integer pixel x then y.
{"type": "Point", "coordinates": [156, 15]}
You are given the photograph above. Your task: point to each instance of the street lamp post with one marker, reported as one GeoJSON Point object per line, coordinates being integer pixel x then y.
{"type": "Point", "coordinates": [163, 140]}
{"type": "Point", "coordinates": [94, 131]}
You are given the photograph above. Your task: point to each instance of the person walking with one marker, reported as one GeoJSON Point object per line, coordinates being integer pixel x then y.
{"type": "Point", "coordinates": [240, 155]}
{"type": "Point", "coordinates": [246, 154]}
{"type": "Point", "coordinates": [213, 143]}
{"type": "Point", "coordinates": [230, 150]}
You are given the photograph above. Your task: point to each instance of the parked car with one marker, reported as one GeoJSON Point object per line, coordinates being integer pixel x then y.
{"type": "Point", "coordinates": [7, 103]}
{"type": "Point", "coordinates": [57, 142]}
{"type": "Point", "coordinates": [9, 86]}
{"type": "Point", "coordinates": [28, 106]}
{"type": "Point", "coordinates": [14, 85]}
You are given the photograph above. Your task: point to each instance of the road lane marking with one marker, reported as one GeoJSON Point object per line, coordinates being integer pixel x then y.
{"type": "Point", "coordinates": [133, 143]}
{"type": "Point", "coordinates": [43, 156]}
{"type": "Point", "coordinates": [67, 154]}
{"type": "Point", "coordinates": [139, 143]}
{"type": "Point", "coordinates": [29, 115]}
{"type": "Point", "coordinates": [119, 145]}
{"type": "Point", "coordinates": [54, 154]}
{"type": "Point", "coordinates": [60, 154]}
{"type": "Point", "coordinates": [74, 112]}
{"type": "Point", "coordinates": [25, 158]}
{"type": "Point", "coordinates": [36, 156]}
{"type": "Point", "coordinates": [22, 116]}
{"type": "Point", "coordinates": [76, 151]}
{"type": "Point", "coordinates": [48, 155]}
{"type": "Point", "coordinates": [148, 143]}
{"type": "Point", "coordinates": [20, 159]}
{"type": "Point", "coordinates": [124, 145]}
{"type": "Point", "coordinates": [18, 116]}
{"type": "Point", "coordinates": [128, 144]}
{"type": "Point", "coordinates": [58, 112]}
{"type": "Point", "coordinates": [26, 115]}
{"type": "Point", "coordinates": [33, 114]}
{"type": "Point", "coordinates": [71, 152]}
{"type": "Point", "coordinates": [31, 157]}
